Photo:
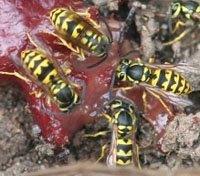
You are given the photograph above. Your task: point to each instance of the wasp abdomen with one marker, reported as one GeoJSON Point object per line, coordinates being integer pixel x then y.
{"type": "Point", "coordinates": [124, 153]}
{"type": "Point", "coordinates": [39, 66]}
{"type": "Point", "coordinates": [76, 30]}
{"type": "Point", "coordinates": [170, 81]}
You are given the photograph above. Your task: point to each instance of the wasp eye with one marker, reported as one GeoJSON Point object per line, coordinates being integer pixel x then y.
{"type": "Point", "coordinates": [125, 61]}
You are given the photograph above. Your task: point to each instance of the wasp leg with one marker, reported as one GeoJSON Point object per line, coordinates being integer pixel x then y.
{"type": "Point", "coordinates": [81, 54]}
{"type": "Point", "coordinates": [87, 15]}
{"type": "Point", "coordinates": [16, 74]}
{"type": "Point", "coordinates": [41, 46]}
{"type": "Point", "coordinates": [182, 35]}
{"type": "Point", "coordinates": [151, 60]}
{"type": "Point", "coordinates": [161, 101]}
{"type": "Point", "coordinates": [144, 98]}
{"type": "Point", "coordinates": [103, 151]}
{"type": "Point", "coordinates": [37, 94]}
{"type": "Point", "coordinates": [63, 42]}
{"type": "Point", "coordinates": [32, 41]}
{"type": "Point", "coordinates": [178, 25]}
{"type": "Point", "coordinates": [137, 159]}
{"type": "Point", "coordinates": [66, 69]}
{"type": "Point", "coordinates": [101, 133]}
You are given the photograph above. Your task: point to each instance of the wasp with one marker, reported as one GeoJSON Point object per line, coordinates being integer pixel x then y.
{"type": "Point", "coordinates": [136, 72]}
{"type": "Point", "coordinates": [123, 120]}
{"type": "Point", "coordinates": [181, 15]}
{"type": "Point", "coordinates": [79, 33]}
{"type": "Point", "coordinates": [158, 80]}
{"type": "Point", "coordinates": [44, 71]}
{"type": "Point", "coordinates": [41, 68]}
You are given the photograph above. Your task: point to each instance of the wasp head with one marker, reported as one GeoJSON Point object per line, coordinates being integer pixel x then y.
{"type": "Point", "coordinates": [122, 69]}
{"type": "Point", "coordinates": [102, 46]}
{"type": "Point", "coordinates": [175, 8]}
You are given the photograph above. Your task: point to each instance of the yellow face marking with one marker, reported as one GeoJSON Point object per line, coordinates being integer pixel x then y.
{"type": "Point", "coordinates": [77, 30]}
{"type": "Point", "coordinates": [47, 79]}
{"type": "Point", "coordinates": [116, 104]}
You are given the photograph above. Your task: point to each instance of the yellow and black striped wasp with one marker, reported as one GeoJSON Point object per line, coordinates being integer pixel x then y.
{"type": "Point", "coordinates": [162, 80]}
{"type": "Point", "coordinates": [123, 120]}
{"type": "Point", "coordinates": [184, 17]}
{"type": "Point", "coordinates": [78, 32]}
{"type": "Point", "coordinates": [40, 69]}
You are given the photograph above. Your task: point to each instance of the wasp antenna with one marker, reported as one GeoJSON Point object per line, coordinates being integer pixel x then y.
{"type": "Point", "coordinates": [32, 39]}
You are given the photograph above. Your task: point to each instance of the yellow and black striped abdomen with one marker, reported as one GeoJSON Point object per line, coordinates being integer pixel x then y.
{"type": "Point", "coordinates": [78, 31]}
{"type": "Point", "coordinates": [67, 23]}
{"type": "Point", "coordinates": [124, 153]}
{"type": "Point", "coordinates": [39, 66]}
{"type": "Point", "coordinates": [171, 81]}
{"type": "Point", "coordinates": [44, 71]}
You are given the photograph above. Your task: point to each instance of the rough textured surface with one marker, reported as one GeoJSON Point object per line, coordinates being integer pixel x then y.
{"type": "Point", "coordinates": [182, 138]}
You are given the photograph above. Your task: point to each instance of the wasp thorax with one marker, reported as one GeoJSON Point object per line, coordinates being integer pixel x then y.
{"type": "Point", "coordinates": [122, 70]}
{"type": "Point", "coordinates": [138, 73]}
